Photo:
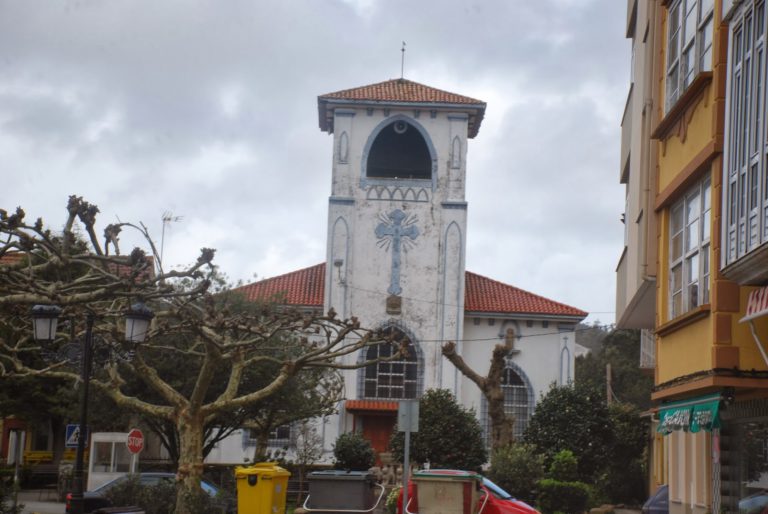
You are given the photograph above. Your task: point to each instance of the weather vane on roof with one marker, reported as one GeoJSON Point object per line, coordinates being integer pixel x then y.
{"type": "Point", "coordinates": [402, 61]}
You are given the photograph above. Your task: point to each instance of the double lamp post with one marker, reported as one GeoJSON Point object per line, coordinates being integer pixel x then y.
{"type": "Point", "coordinates": [44, 322]}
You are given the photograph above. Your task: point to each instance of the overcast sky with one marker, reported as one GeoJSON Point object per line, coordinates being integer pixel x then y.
{"type": "Point", "coordinates": [208, 110]}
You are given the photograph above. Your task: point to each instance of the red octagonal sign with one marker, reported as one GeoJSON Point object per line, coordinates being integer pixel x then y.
{"type": "Point", "coordinates": [135, 441]}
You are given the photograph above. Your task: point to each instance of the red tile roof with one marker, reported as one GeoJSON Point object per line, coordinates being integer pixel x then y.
{"type": "Point", "coordinates": [379, 405]}
{"type": "Point", "coordinates": [399, 92]}
{"type": "Point", "coordinates": [305, 288]}
{"type": "Point", "coordinates": [482, 294]}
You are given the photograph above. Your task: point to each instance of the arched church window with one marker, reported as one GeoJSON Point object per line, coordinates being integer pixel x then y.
{"type": "Point", "coordinates": [394, 379]}
{"type": "Point", "coordinates": [399, 152]}
{"type": "Point", "coordinates": [518, 400]}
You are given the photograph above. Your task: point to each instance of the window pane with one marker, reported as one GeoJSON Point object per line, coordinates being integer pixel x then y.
{"type": "Point", "coordinates": [677, 278]}
{"type": "Point", "coordinates": [706, 47]}
{"type": "Point", "coordinates": [692, 269]}
{"type": "Point", "coordinates": [692, 236]}
{"type": "Point", "coordinates": [706, 6]}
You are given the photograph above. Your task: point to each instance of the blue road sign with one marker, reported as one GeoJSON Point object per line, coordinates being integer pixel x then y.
{"type": "Point", "coordinates": [73, 434]}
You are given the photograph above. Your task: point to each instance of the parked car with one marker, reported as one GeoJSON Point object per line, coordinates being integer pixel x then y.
{"type": "Point", "coordinates": [658, 503]}
{"type": "Point", "coordinates": [498, 500]}
{"type": "Point", "coordinates": [756, 503]}
{"type": "Point", "coordinates": [98, 499]}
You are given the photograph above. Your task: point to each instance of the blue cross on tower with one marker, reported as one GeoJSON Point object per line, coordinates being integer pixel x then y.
{"type": "Point", "coordinates": [391, 231]}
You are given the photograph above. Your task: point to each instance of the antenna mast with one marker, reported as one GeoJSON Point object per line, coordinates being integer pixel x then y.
{"type": "Point", "coordinates": [168, 217]}
{"type": "Point", "coordinates": [402, 61]}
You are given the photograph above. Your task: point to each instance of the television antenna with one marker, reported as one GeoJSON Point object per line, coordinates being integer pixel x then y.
{"type": "Point", "coordinates": [168, 218]}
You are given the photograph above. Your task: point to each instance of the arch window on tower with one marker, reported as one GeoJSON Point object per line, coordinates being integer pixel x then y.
{"type": "Point", "coordinates": [393, 379]}
{"type": "Point", "coordinates": [399, 151]}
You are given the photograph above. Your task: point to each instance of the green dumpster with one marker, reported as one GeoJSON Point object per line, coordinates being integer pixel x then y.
{"type": "Point", "coordinates": [342, 491]}
{"type": "Point", "coordinates": [261, 488]}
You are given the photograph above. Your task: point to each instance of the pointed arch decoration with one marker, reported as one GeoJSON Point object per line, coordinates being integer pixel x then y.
{"type": "Point", "coordinates": [343, 148]}
{"type": "Point", "coordinates": [456, 153]}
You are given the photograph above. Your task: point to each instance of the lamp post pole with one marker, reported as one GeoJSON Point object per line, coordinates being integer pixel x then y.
{"type": "Point", "coordinates": [44, 323]}
{"type": "Point", "coordinates": [85, 375]}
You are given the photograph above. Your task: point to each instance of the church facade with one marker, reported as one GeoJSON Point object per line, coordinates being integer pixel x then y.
{"type": "Point", "coordinates": [396, 247]}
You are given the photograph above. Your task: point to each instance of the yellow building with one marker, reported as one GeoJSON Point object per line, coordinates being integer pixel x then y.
{"type": "Point", "coordinates": [694, 156]}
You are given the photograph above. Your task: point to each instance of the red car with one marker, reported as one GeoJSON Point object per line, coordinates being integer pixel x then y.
{"type": "Point", "coordinates": [492, 498]}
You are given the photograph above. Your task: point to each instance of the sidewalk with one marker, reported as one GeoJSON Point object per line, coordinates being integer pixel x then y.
{"type": "Point", "coordinates": [40, 502]}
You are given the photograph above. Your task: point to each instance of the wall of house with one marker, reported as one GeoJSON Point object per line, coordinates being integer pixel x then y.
{"type": "Point", "coordinates": [538, 352]}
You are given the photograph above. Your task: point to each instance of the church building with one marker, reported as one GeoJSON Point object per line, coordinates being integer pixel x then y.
{"type": "Point", "coordinates": [396, 247]}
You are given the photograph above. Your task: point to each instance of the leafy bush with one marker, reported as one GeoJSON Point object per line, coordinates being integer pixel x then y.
{"type": "Point", "coordinates": [566, 497]}
{"type": "Point", "coordinates": [392, 498]}
{"type": "Point", "coordinates": [449, 434]}
{"type": "Point", "coordinates": [6, 492]}
{"type": "Point", "coordinates": [564, 467]}
{"type": "Point", "coordinates": [161, 498]}
{"type": "Point", "coordinates": [517, 468]}
{"type": "Point", "coordinates": [353, 452]}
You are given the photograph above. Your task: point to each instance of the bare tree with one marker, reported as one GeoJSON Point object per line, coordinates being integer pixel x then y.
{"type": "Point", "coordinates": [192, 323]}
{"type": "Point", "coordinates": [502, 424]}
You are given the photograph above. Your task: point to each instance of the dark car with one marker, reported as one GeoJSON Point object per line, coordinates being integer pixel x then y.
{"type": "Point", "coordinates": [495, 500]}
{"type": "Point", "coordinates": [97, 499]}
{"type": "Point", "coordinates": [658, 503]}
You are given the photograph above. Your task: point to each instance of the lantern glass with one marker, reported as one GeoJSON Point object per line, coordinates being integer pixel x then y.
{"type": "Point", "coordinates": [137, 321]}
{"type": "Point", "coordinates": [45, 319]}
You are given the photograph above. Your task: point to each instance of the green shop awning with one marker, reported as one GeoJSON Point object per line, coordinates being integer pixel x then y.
{"type": "Point", "coordinates": [692, 415]}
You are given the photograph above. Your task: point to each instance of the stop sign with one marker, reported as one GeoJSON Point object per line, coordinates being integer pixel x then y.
{"type": "Point", "coordinates": [135, 441]}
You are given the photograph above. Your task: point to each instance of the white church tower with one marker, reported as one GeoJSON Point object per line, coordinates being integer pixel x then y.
{"type": "Point", "coordinates": [397, 222]}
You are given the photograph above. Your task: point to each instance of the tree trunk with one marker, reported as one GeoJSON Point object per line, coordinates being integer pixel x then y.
{"type": "Point", "coordinates": [190, 470]}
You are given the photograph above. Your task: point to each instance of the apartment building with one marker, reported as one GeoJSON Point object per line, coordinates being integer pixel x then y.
{"type": "Point", "coordinates": [697, 228]}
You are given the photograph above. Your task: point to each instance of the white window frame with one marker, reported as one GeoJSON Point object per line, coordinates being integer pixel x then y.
{"type": "Point", "coordinates": [745, 180]}
{"type": "Point", "coordinates": [690, 26]}
{"type": "Point", "coordinates": [690, 228]}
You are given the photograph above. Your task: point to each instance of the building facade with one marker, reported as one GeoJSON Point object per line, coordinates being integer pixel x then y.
{"type": "Point", "coordinates": [397, 232]}
{"type": "Point", "coordinates": [700, 65]}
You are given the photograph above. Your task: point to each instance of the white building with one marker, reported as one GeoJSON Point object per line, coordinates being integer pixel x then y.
{"type": "Point", "coordinates": [397, 231]}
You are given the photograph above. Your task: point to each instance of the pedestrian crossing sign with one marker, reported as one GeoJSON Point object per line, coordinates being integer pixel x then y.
{"type": "Point", "coordinates": [73, 435]}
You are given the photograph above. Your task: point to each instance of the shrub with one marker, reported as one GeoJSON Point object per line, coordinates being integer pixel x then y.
{"type": "Point", "coordinates": [566, 497]}
{"type": "Point", "coordinates": [517, 468]}
{"type": "Point", "coordinates": [353, 452]}
{"type": "Point", "coordinates": [449, 434]}
{"type": "Point", "coordinates": [161, 498]}
{"type": "Point", "coordinates": [392, 498]}
{"type": "Point", "coordinates": [564, 467]}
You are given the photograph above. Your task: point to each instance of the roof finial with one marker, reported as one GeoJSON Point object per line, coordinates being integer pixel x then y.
{"type": "Point", "coordinates": [402, 61]}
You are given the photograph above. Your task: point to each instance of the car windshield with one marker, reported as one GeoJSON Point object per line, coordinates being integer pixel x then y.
{"type": "Point", "coordinates": [496, 490]}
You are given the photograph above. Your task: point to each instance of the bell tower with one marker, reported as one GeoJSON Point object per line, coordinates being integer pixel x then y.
{"type": "Point", "coordinates": [397, 216]}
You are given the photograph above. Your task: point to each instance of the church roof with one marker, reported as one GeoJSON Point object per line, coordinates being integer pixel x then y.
{"type": "Point", "coordinates": [400, 92]}
{"type": "Point", "coordinates": [301, 288]}
{"type": "Point", "coordinates": [483, 294]}
{"type": "Point", "coordinates": [305, 288]}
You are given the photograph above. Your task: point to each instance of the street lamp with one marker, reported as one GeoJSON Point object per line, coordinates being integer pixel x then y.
{"type": "Point", "coordinates": [44, 322]}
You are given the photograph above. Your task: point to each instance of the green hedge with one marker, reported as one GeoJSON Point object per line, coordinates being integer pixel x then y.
{"type": "Point", "coordinates": [567, 497]}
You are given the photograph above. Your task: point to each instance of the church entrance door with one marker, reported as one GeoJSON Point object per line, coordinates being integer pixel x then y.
{"type": "Point", "coordinates": [377, 429]}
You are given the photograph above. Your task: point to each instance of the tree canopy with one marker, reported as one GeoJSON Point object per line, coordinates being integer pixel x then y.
{"type": "Point", "coordinates": [193, 322]}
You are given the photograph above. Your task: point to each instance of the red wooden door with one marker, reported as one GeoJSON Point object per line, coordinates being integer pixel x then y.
{"type": "Point", "coordinates": [377, 430]}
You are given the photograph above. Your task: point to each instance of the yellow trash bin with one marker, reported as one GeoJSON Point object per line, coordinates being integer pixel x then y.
{"type": "Point", "coordinates": [261, 488]}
